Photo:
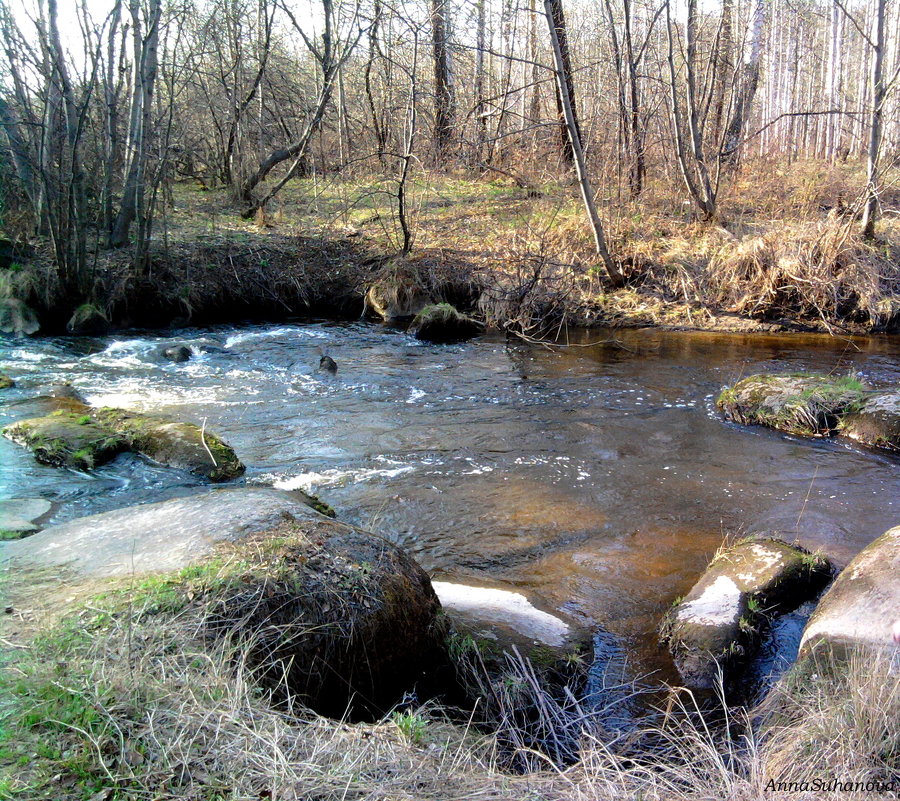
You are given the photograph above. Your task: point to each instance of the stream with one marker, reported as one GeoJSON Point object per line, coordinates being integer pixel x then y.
{"type": "Point", "coordinates": [598, 480]}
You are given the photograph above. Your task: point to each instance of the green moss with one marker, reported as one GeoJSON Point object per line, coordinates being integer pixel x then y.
{"type": "Point", "coordinates": [320, 506]}
{"type": "Point", "coordinates": [798, 403]}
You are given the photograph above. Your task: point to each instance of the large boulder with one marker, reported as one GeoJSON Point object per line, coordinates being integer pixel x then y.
{"type": "Point", "coordinates": [875, 421]}
{"type": "Point", "coordinates": [442, 323]}
{"type": "Point", "coordinates": [717, 624]}
{"type": "Point", "coordinates": [331, 614]}
{"type": "Point", "coordinates": [863, 605]}
{"type": "Point", "coordinates": [322, 611]}
{"type": "Point", "coordinates": [82, 437]}
{"type": "Point", "coordinates": [798, 403]}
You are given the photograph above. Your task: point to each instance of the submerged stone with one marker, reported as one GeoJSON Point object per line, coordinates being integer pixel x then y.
{"type": "Point", "coordinates": [442, 323]}
{"type": "Point", "coordinates": [875, 421]}
{"type": "Point", "coordinates": [716, 626]}
{"type": "Point", "coordinates": [176, 353]}
{"type": "Point", "coordinates": [6, 382]}
{"type": "Point", "coordinates": [862, 606]}
{"type": "Point", "coordinates": [798, 403]}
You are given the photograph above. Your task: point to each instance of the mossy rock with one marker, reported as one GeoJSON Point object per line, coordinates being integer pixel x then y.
{"type": "Point", "coordinates": [797, 403]}
{"type": "Point", "coordinates": [67, 439]}
{"type": "Point", "coordinates": [175, 444]}
{"type": "Point", "coordinates": [442, 323]}
{"type": "Point", "coordinates": [331, 615]}
{"type": "Point", "coordinates": [6, 382]}
{"type": "Point", "coordinates": [88, 320]}
{"type": "Point", "coordinates": [875, 421]}
{"type": "Point", "coordinates": [79, 436]}
{"type": "Point", "coordinates": [717, 625]}
{"type": "Point", "coordinates": [397, 293]}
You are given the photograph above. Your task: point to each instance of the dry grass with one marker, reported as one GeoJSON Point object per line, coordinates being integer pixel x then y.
{"type": "Point", "coordinates": [784, 250]}
{"type": "Point", "coordinates": [124, 701]}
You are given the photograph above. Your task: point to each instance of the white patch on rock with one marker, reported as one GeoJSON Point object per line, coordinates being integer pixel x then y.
{"type": "Point", "coordinates": [767, 556]}
{"type": "Point", "coordinates": [718, 605]}
{"type": "Point", "coordinates": [504, 608]}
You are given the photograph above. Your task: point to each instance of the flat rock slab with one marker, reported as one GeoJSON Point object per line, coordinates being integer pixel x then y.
{"type": "Point", "coordinates": [157, 537]}
{"type": "Point", "coordinates": [717, 624]}
{"type": "Point", "coordinates": [863, 604]}
{"type": "Point", "coordinates": [798, 403]}
{"type": "Point", "coordinates": [23, 509]}
{"type": "Point", "coordinates": [875, 422]}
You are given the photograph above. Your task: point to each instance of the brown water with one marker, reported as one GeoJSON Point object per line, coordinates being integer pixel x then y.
{"type": "Point", "coordinates": [597, 480]}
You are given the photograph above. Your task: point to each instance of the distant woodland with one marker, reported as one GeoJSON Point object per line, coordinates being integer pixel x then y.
{"type": "Point", "coordinates": [101, 117]}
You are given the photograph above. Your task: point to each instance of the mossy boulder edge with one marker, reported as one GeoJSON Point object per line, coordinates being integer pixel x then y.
{"type": "Point", "coordinates": [797, 403]}
{"type": "Point", "coordinates": [82, 437]}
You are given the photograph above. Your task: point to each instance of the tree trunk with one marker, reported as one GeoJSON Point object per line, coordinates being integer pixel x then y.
{"type": "Point", "coordinates": [145, 70]}
{"type": "Point", "coordinates": [870, 212]}
{"type": "Point", "coordinates": [554, 11]}
{"type": "Point", "coordinates": [444, 99]}
{"type": "Point", "coordinates": [565, 95]}
{"type": "Point", "coordinates": [747, 91]}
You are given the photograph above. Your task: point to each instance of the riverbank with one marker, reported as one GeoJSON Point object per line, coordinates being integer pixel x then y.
{"type": "Point", "coordinates": [110, 691]}
{"type": "Point", "coordinates": [783, 257]}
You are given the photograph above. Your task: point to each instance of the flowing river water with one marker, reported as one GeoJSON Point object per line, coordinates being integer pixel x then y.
{"type": "Point", "coordinates": [598, 480]}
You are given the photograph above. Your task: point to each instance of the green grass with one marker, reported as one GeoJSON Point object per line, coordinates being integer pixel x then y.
{"type": "Point", "coordinates": [413, 725]}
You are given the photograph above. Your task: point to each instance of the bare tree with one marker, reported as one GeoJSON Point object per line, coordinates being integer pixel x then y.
{"type": "Point", "coordinates": [331, 52]}
{"type": "Point", "coordinates": [145, 34]}
{"type": "Point", "coordinates": [558, 34]}
{"type": "Point", "coordinates": [749, 84]}
{"type": "Point", "coordinates": [870, 210]}
{"type": "Point", "coordinates": [444, 95]}
{"type": "Point", "coordinates": [553, 13]}
{"type": "Point", "coordinates": [689, 144]}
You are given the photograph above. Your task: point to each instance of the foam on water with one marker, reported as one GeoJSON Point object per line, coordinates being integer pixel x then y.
{"type": "Point", "coordinates": [336, 478]}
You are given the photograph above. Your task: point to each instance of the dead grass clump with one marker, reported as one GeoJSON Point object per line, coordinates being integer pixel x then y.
{"type": "Point", "coordinates": [835, 721]}
{"type": "Point", "coordinates": [821, 271]}
{"type": "Point", "coordinates": [133, 705]}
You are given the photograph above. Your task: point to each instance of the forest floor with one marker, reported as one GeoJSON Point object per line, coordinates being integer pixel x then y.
{"type": "Point", "coordinates": [784, 254]}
